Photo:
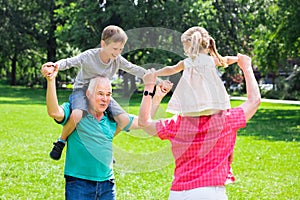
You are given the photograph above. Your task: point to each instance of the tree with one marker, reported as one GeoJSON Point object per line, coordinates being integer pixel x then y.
{"type": "Point", "coordinates": [36, 31]}
{"type": "Point", "coordinates": [276, 33]}
{"type": "Point", "coordinates": [20, 35]}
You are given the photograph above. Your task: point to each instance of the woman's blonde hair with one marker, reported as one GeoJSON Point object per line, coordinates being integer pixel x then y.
{"type": "Point", "coordinates": [198, 39]}
{"type": "Point", "coordinates": [113, 33]}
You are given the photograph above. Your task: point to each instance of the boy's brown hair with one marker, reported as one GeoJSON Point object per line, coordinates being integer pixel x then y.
{"type": "Point", "coordinates": [113, 33]}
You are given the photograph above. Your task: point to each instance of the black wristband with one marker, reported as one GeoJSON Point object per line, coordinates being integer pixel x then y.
{"type": "Point", "coordinates": [146, 93]}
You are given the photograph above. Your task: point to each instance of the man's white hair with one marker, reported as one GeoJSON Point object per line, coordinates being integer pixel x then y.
{"type": "Point", "coordinates": [97, 80]}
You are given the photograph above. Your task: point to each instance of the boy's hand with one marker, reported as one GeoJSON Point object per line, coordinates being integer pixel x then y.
{"type": "Point", "coordinates": [49, 70]}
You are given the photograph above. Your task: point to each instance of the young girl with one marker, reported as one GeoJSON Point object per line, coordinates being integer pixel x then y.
{"type": "Point", "coordinates": [105, 60]}
{"type": "Point", "coordinates": [200, 91]}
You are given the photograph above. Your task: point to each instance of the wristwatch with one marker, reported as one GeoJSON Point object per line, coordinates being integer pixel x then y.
{"type": "Point", "coordinates": [146, 93]}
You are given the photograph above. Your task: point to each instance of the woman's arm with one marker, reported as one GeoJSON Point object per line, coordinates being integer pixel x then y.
{"type": "Point", "coordinates": [162, 90]}
{"type": "Point", "coordinates": [252, 103]}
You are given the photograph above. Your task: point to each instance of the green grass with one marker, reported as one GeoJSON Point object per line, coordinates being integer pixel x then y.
{"type": "Point", "coordinates": [266, 164]}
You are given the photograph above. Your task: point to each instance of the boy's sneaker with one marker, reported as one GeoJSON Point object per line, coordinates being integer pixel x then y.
{"type": "Point", "coordinates": [55, 154]}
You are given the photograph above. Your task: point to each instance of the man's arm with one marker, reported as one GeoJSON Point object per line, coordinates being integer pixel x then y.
{"type": "Point", "coordinates": [161, 90]}
{"type": "Point", "coordinates": [252, 103]}
{"type": "Point", "coordinates": [54, 110]}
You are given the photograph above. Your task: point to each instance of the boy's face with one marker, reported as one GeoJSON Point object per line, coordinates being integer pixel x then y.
{"type": "Point", "coordinates": [112, 50]}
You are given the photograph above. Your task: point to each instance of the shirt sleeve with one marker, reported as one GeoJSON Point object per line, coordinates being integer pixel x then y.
{"type": "Point", "coordinates": [131, 118]}
{"type": "Point", "coordinates": [131, 68]}
{"type": "Point", "coordinates": [167, 128]}
{"type": "Point", "coordinates": [68, 63]}
{"type": "Point", "coordinates": [67, 112]}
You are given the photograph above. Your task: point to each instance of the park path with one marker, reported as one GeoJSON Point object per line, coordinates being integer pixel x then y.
{"type": "Point", "coordinates": [270, 100]}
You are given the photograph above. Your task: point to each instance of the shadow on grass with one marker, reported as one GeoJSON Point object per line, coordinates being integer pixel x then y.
{"type": "Point", "coordinates": [273, 122]}
{"type": "Point", "coordinates": [274, 125]}
{"type": "Point", "coordinates": [25, 95]}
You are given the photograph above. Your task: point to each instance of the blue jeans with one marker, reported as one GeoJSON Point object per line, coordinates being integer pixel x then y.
{"type": "Point", "coordinates": [78, 99]}
{"type": "Point", "coordinates": [81, 189]}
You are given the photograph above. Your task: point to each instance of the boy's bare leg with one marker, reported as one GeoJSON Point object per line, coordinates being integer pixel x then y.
{"type": "Point", "coordinates": [68, 128]}
{"type": "Point", "coordinates": [71, 124]}
{"type": "Point", "coordinates": [122, 120]}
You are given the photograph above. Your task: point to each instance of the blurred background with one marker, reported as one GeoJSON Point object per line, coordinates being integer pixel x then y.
{"type": "Point", "coordinates": [33, 32]}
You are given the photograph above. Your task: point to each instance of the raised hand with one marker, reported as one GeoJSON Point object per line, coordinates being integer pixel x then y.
{"type": "Point", "coordinates": [165, 86]}
{"type": "Point", "coordinates": [49, 70]}
{"type": "Point", "coordinates": [150, 77]}
{"type": "Point", "coordinates": [244, 62]}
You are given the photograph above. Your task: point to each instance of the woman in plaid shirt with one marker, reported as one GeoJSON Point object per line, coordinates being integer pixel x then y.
{"type": "Point", "coordinates": [205, 93]}
{"type": "Point", "coordinates": [201, 145]}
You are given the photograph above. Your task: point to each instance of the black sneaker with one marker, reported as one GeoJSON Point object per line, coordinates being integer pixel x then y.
{"type": "Point", "coordinates": [55, 154]}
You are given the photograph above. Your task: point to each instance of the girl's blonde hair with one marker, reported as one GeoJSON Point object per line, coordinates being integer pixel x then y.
{"type": "Point", "coordinates": [198, 39]}
{"type": "Point", "coordinates": [113, 34]}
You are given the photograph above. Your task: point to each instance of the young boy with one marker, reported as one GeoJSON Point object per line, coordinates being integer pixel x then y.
{"type": "Point", "coordinates": [105, 60]}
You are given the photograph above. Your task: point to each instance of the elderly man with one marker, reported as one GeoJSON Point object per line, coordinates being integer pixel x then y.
{"type": "Point", "coordinates": [88, 166]}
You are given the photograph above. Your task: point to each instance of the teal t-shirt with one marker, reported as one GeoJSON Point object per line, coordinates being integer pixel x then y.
{"type": "Point", "coordinates": [89, 148]}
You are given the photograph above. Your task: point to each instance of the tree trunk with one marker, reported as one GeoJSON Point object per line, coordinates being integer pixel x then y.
{"type": "Point", "coordinates": [51, 42]}
{"type": "Point", "coordinates": [13, 80]}
{"type": "Point", "coordinates": [132, 83]}
{"type": "Point", "coordinates": [126, 86]}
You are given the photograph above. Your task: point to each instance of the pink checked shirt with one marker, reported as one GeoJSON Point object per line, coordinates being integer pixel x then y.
{"type": "Point", "coordinates": [201, 146]}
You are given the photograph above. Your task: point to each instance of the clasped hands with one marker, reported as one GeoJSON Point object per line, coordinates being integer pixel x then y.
{"type": "Point", "coordinates": [49, 70]}
{"type": "Point", "coordinates": [163, 87]}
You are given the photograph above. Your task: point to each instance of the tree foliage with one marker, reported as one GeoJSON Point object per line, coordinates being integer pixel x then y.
{"type": "Point", "coordinates": [36, 31]}
{"type": "Point", "coordinates": [22, 38]}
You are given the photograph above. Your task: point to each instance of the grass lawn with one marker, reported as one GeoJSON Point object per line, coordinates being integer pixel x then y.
{"type": "Point", "coordinates": [266, 163]}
